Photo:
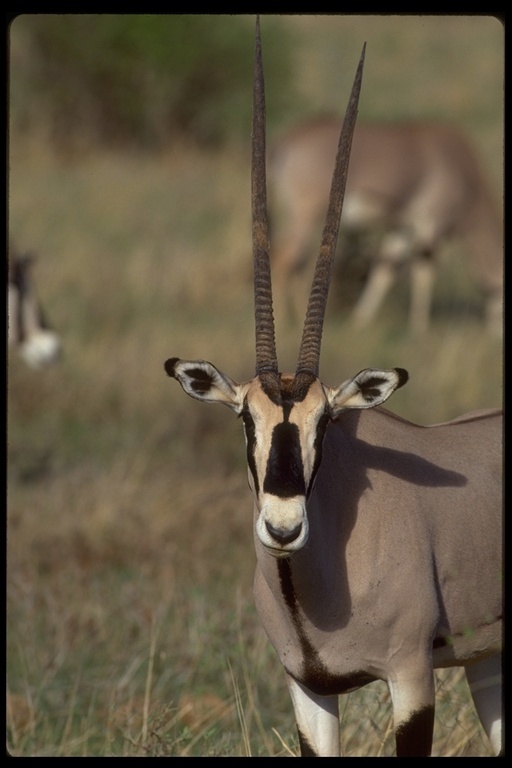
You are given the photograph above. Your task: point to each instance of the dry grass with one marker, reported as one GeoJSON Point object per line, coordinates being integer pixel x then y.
{"type": "Point", "coordinates": [130, 623]}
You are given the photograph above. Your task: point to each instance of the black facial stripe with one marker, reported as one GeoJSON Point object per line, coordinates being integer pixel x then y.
{"type": "Point", "coordinates": [319, 439]}
{"type": "Point", "coordinates": [284, 476]}
{"type": "Point", "coordinates": [250, 434]}
{"type": "Point", "coordinates": [287, 409]}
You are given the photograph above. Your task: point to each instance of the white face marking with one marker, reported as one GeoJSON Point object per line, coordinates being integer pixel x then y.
{"type": "Point", "coordinates": [282, 452]}
{"type": "Point", "coordinates": [285, 516]}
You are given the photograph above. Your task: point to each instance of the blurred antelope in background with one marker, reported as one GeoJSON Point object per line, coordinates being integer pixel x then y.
{"type": "Point", "coordinates": [378, 542]}
{"type": "Point", "coordinates": [28, 331]}
{"type": "Point", "coordinates": [417, 183]}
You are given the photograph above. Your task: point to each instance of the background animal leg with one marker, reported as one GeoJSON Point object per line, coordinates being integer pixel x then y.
{"type": "Point", "coordinates": [317, 721]}
{"type": "Point", "coordinates": [422, 279]}
{"type": "Point", "coordinates": [395, 249]}
{"type": "Point", "coordinates": [484, 678]}
{"type": "Point", "coordinates": [378, 284]}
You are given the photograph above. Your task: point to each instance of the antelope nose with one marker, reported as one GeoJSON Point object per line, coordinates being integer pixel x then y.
{"type": "Point", "coordinates": [283, 535]}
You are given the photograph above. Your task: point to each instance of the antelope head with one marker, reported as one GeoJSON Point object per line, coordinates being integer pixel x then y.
{"type": "Point", "coordinates": [28, 332]}
{"type": "Point", "coordinates": [285, 416]}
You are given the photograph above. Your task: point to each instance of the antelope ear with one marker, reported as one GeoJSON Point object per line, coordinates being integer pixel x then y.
{"type": "Point", "coordinates": [205, 382]}
{"type": "Point", "coordinates": [368, 388]}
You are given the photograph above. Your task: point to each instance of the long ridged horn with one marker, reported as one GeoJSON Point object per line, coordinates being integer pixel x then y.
{"type": "Point", "coordinates": [266, 355]}
{"type": "Point", "coordinates": [309, 353]}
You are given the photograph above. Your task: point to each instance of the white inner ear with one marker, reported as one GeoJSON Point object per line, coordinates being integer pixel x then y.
{"type": "Point", "coordinates": [366, 389]}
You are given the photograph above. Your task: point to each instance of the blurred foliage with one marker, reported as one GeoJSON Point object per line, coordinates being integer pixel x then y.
{"type": "Point", "coordinates": [142, 80]}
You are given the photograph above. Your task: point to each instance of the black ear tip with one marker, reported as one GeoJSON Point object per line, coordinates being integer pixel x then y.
{"type": "Point", "coordinates": [403, 376]}
{"type": "Point", "coordinates": [170, 364]}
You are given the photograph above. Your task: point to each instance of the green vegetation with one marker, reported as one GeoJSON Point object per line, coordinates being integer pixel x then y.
{"type": "Point", "coordinates": [140, 80]}
{"type": "Point", "coordinates": [130, 621]}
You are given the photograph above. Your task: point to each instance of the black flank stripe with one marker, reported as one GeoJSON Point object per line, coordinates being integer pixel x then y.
{"type": "Point", "coordinates": [314, 674]}
{"type": "Point", "coordinates": [314, 671]}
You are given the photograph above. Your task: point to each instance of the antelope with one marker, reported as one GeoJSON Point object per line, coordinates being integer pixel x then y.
{"type": "Point", "coordinates": [28, 331]}
{"type": "Point", "coordinates": [378, 541]}
{"type": "Point", "coordinates": [414, 185]}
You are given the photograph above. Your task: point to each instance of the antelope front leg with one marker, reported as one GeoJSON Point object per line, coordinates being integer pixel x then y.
{"type": "Point", "coordinates": [317, 721]}
{"type": "Point", "coordinates": [413, 697]}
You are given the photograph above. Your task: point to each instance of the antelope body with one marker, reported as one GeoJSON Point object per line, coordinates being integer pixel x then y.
{"type": "Point", "coordinates": [378, 541]}
{"type": "Point", "coordinates": [28, 331]}
{"type": "Point", "coordinates": [414, 184]}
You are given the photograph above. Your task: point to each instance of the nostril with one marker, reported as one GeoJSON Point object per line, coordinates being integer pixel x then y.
{"type": "Point", "coordinates": [283, 535]}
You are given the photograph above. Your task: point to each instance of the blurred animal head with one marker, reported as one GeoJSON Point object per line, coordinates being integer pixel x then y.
{"type": "Point", "coordinates": [28, 332]}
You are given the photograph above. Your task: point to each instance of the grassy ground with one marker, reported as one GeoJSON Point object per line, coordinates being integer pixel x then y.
{"type": "Point", "coordinates": [130, 623]}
